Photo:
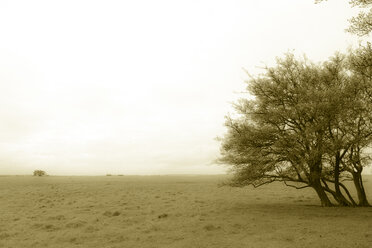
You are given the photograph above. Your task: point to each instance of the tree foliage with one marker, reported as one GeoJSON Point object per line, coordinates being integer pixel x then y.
{"type": "Point", "coordinates": [308, 126]}
{"type": "Point", "coordinates": [362, 23]}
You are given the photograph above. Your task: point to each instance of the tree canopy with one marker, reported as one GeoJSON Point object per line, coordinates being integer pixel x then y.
{"type": "Point", "coordinates": [308, 126]}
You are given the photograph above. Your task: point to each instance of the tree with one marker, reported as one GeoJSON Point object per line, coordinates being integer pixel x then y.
{"type": "Point", "coordinates": [39, 173]}
{"type": "Point", "coordinates": [300, 129]}
{"type": "Point", "coordinates": [360, 64]}
{"type": "Point", "coordinates": [349, 131]}
{"type": "Point", "coordinates": [360, 61]}
{"type": "Point", "coordinates": [362, 23]}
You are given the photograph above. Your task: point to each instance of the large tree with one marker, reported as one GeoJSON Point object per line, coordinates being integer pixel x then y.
{"type": "Point", "coordinates": [360, 65]}
{"type": "Point", "coordinates": [307, 127]}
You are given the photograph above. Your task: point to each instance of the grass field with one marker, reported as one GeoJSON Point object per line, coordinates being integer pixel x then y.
{"type": "Point", "coordinates": [171, 211]}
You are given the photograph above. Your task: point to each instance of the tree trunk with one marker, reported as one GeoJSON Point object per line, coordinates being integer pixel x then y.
{"type": "Point", "coordinates": [341, 199]}
{"type": "Point", "coordinates": [314, 178]}
{"type": "Point", "coordinates": [317, 186]}
{"type": "Point", "coordinates": [358, 182]}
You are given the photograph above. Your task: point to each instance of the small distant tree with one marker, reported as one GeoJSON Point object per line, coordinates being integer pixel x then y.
{"type": "Point", "coordinates": [39, 173]}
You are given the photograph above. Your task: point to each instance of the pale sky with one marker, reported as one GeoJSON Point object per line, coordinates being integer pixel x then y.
{"type": "Point", "coordinates": [140, 87]}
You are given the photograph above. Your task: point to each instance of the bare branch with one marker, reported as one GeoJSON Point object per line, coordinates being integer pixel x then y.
{"type": "Point", "coordinates": [296, 187]}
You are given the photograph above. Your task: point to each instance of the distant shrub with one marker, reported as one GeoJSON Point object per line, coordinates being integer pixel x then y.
{"type": "Point", "coordinates": [39, 173]}
{"type": "Point", "coordinates": [162, 216]}
{"type": "Point", "coordinates": [108, 175]}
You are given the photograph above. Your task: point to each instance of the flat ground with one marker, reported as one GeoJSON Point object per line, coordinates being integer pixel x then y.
{"type": "Point", "coordinates": [171, 211]}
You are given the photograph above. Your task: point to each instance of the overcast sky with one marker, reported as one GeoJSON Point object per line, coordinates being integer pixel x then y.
{"type": "Point", "coordinates": [140, 87]}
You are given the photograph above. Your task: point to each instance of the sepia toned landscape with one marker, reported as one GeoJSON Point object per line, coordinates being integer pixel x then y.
{"type": "Point", "coordinates": [182, 124]}
{"type": "Point", "coordinates": [171, 211]}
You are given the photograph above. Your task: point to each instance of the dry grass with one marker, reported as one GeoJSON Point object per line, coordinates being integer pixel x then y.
{"type": "Point", "coordinates": [171, 211]}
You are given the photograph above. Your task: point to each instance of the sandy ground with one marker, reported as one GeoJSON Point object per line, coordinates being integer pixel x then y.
{"type": "Point", "coordinates": [171, 211]}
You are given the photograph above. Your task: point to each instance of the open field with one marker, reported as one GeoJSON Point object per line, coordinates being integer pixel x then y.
{"type": "Point", "coordinates": [171, 211]}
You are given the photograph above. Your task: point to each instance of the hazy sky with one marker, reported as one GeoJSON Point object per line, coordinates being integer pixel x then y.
{"type": "Point", "coordinates": [140, 87]}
